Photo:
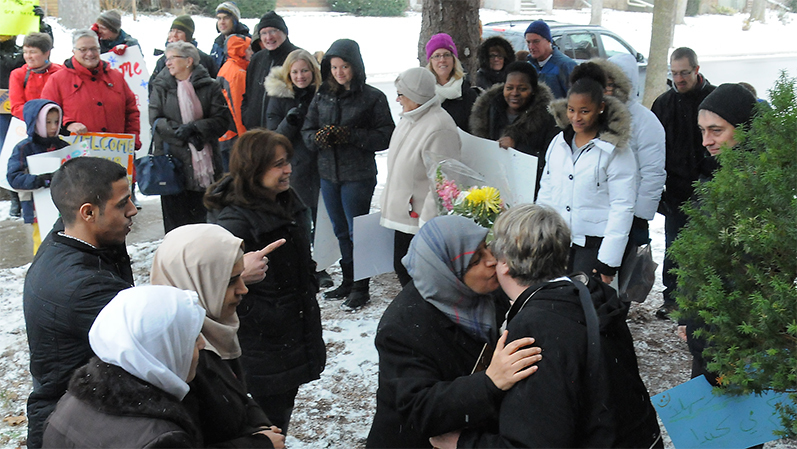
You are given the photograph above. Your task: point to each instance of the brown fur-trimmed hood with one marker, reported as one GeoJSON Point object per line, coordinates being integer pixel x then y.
{"type": "Point", "coordinates": [275, 84]}
{"type": "Point", "coordinates": [616, 127]}
{"type": "Point", "coordinates": [623, 86]}
{"type": "Point", "coordinates": [532, 120]}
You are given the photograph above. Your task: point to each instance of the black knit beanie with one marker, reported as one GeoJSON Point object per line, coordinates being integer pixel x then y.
{"type": "Point", "coordinates": [273, 20]}
{"type": "Point", "coordinates": [732, 102]}
{"type": "Point", "coordinates": [185, 24]}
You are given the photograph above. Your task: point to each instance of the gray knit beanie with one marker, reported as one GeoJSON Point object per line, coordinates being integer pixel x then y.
{"type": "Point", "coordinates": [111, 20]}
{"type": "Point", "coordinates": [417, 84]}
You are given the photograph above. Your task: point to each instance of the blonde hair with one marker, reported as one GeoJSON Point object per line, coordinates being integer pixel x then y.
{"type": "Point", "coordinates": [301, 55]}
{"type": "Point", "coordinates": [457, 73]}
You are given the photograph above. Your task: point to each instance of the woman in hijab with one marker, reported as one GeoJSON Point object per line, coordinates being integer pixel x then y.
{"type": "Point", "coordinates": [198, 258]}
{"type": "Point", "coordinates": [147, 344]}
{"type": "Point", "coordinates": [434, 341]}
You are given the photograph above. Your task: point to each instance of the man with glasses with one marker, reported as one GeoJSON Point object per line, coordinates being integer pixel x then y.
{"type": "Point", "coordinates": [271, 46]}
{"type": "Point", "coordinates": [677, 109]}
{"type": "Point", "coordinates": [93, 95]}
{"type": "Point", "coordinates": [553, 66]}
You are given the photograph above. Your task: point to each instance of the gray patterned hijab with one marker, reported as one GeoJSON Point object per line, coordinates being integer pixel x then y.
{"type": "Point", "coordinates": [437, 261]}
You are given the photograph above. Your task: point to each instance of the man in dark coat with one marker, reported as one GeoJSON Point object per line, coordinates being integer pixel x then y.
{"type": "Point", "coordinates": [271, 46]}
{"type": "Point", "coordinates": [228, 22]}
{"type": "Point", "coordinates": [676, 109]}
{"type": "Point", "coordinates": [79, 268]}
{"type": "Point", "coordinates": [183, 30]}
{"type": "Point", "coordinates": [587, 391]}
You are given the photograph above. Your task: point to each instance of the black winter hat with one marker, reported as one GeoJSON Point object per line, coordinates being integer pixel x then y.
{"type": "Point", "coordinates": [273, 20]}
{"type": "Point", "coordinates": [732, 102]}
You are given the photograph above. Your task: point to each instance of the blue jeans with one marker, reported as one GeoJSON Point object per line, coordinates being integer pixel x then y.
{"type": "Point", "coordinates": [673, 223]}
{"type": "Point", "coordinates": [344, 201]}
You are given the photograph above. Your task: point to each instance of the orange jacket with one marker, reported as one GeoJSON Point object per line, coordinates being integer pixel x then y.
{"type": "Point", "coordinates": [232, 77]}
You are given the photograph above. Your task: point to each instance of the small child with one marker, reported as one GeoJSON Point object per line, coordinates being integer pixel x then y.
{"type": "Point", "coordinates": [43, 118]}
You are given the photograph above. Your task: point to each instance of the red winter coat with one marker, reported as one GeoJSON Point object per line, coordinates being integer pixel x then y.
{"type": "Point", "coordinates": [21, 90]}
{"type": "Point", "coordinates": [99, 98]}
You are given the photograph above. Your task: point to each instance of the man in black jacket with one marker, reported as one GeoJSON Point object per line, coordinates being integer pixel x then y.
{"type": "Point", "coordinates": [271, 46]}
{"type": "Point", "coordinates": [676, 109]}
{"type": "Point", "coordinates": [79, 268]}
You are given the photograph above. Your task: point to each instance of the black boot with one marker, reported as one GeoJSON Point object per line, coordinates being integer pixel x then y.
{"type": "Point", "coordinates": [16, 207]}
{"type": "Point", "coordinates": [359, 296]}
{"type": "Point", "coordinates": [344, 288]}
{"type": "Point", "coordinates": [324, 279]}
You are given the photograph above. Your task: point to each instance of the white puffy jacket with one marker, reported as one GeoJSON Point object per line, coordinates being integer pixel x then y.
{"type": "Point", "coordinates": [595, 192]}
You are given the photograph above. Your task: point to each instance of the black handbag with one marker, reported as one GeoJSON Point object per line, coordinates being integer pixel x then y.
{"type": "Point", "coordinates": [159, 175]}
{"type": "Point", "coordinates": [637, 274]}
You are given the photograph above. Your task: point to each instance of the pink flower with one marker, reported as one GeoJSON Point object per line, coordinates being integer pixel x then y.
{"type": "Point", "coordinates": [448, 192]}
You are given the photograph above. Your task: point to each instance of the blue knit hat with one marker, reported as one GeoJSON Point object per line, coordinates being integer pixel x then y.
{"type": "Point", "coordinates": [541, 28]}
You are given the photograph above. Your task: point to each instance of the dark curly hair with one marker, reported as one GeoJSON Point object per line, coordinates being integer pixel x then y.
{"type": "Point", "coordinates": [588, 78]}
{"type": "Point", "coordinates": [526, 69]}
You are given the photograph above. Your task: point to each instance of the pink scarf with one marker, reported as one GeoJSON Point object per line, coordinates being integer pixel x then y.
{"type": "Point", "coordinates": [191, 110]}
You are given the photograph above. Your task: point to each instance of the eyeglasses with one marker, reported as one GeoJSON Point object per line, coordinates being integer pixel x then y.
{"type": "Point", "coordinates": [172, 58]}
{"type": "Point", "coordinates": [495, 56]}
{"type": "Point", "coordinates": [399, 95]}
{"type": "Point", "coordinates": [442, 56]}
{"type": "Point", "coordinates": [273, 32]}
{"type": "Point", "coordinates": [88, 50]}
{"type": "Point", "coordinates": [682, 73]}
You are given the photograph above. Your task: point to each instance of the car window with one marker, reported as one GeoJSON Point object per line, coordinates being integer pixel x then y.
{"type": "Point", "coordinates": [579, 46]}
{"type": "Point", "coordinates": [612, 46]}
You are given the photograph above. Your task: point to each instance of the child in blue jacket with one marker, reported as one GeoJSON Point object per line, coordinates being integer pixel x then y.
{"type": "Point", "coordinates": [43, 118]}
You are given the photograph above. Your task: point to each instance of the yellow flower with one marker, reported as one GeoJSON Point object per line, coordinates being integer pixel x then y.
{"type": "Point", "coordinates": [487, 197]}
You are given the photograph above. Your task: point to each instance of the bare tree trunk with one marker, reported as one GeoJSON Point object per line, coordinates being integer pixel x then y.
{"type": "Point", "coordinates": [680, 12]}
{"type": "Point", "coordinates": [597, 12]}
{"type": "Point", "coordinates": [758, 12]}
{"type": "Point", "coordinates": [78, 13]}
{"type": "Point", "coordinates": [459, 19]}
{"type": "Point", "coordinates": [660, 43]}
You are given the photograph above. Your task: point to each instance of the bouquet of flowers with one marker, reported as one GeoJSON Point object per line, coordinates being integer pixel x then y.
{"type": "Point", "coordinates": [462, 191]}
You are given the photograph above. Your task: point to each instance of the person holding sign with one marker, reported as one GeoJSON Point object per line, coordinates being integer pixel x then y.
{"type": "Point", "coordinates": [112, 37]}
{"type": "Point", "coordinates": [280, 332]}
{"type": "Point", "coordinates": [188, 114]}
{"type": "Point", "coordinates": [95, 97]}
{"type": "Point", "coordinates": [43, 118]}
{"type": "Point", "coordinates": [26, 83]}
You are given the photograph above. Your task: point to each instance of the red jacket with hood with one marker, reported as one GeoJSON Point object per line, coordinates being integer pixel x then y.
{"type": "Point", "coordinates": [232, 77]}
{"type": "Point", "coordinates": [25, 84]}
{"type": "Point", "coordinates": [98, 98]}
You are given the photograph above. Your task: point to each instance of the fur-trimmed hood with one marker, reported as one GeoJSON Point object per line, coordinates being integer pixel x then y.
{"type": "Point", "coordinates": [616, 127]}
{"type": "Point", "coordinates": [623, 88]}
{"type": "Point", "coordinates": [530, 121]}
{"type": "Point", "coordinates": [495, 41]}
{"type": "Point", "coordinates": [275, 83]}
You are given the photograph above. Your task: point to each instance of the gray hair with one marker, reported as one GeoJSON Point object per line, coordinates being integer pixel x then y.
{"type": "Point", "coordinates": [534, 241]}
{"type": "Point", "coordinates": [85, 32]}
{"type": "Point", "coordinates": [186, 50]}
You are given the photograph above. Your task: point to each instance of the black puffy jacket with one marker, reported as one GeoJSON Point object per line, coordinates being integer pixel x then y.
{"type": "Point", "coordinates": [67, 285]}
{"type": "Point", "coordinates": [254, 105]}
{"type": "Point", "coordinates": [280, 331]}
{"type": "Point", "coordinates": [362, 109]}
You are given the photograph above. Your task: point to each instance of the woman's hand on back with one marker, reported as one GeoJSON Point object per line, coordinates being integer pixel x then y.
{"type": "Point", "coordinates": [509, 361]}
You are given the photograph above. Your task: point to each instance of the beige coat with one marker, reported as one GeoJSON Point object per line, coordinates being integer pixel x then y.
{"type": "Point", "coordinates": [424, 137]}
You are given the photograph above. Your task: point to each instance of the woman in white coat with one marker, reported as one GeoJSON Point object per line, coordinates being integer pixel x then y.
{"type": "Point", "coordinates": [590, 175]}
{"type": "Point", "coordinates": [425, 136]}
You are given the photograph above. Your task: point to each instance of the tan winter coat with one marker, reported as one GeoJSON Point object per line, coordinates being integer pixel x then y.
{"type": "Point", "coordinates": [424, 137]}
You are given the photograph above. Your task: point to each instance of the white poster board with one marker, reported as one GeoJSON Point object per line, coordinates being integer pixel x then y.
{"type": "Point", "coordinates": [134, 69]}
{"type": "Point", "coordinates": [325, 245]}
{"type": "Point", "coordinates": [373, 246]}
{"type": "Point", "coordinates": [510, 171]}
{"type": "Point", "coordinates": [17, 131]}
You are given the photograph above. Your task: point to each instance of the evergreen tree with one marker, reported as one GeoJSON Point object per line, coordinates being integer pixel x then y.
{"type": "Point", "coordinates": [737, 257]}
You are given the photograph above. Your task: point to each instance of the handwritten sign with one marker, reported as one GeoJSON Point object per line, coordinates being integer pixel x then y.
{"type": "Point", "coordinates": [697, 418]}
{"type": "Point", "coordinates": [17, 131]}
{"type": "Point", "coordinates": [134, 69]}
{"type": "Point", "coordinates": [17, 17]}
{"type": "Point", "coordinates": [120, 148]}
{"type": "Point", "coordinates": [5, 102]}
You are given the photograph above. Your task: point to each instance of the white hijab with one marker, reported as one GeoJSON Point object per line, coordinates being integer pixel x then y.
{"type": "Point", "coordinates": [150, 332]}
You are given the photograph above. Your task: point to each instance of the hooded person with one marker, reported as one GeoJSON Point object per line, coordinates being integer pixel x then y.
{"type": "Point", "coordinates": [146, 343]}
{"type": "Point", "coordinates": [182, 29]}
{"type": "Point", "coordinates": [228, 23]}
{"type": "Point", "coordinates": [495, 54]}
{"type": "Point", "coordinates": [432, 335]}
{"type": "Point", "coordinates": [271, 45]}
{"type": "Point", "coordinates": [43, 119]}
{"type": "Point", "coordinates": [232, 78]}
{"type": "Point", "coordinates": [515, 113]}
{"type": "Point", "coordinates": [199, 258]}
{"type": "Point", "coordinates": [347, 122]}
{"type": "Point", "coordinates": [425, 136]}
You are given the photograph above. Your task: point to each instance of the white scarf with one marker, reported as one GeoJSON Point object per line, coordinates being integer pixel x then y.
{"type": "Point", "coordinates": [150, 332]}
{"type": "Point", "coordinates": [450, 90]}
{"type": "Point", "coordinates": [190, 111]}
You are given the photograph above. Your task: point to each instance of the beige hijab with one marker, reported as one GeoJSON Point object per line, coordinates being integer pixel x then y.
{"type": "Point", "coordinates": [200, 258]}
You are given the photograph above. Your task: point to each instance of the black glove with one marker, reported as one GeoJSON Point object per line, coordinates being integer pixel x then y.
{"type": "Point", "coordinates": [640, 234]}
{"type": "Point", "coordinates": [295, 117]}
{"type": "Point", "coordinates": [196, 140]}
{"type": "Point", "coordinates": [38, 11]}
{"type": "Point", "coordinates": [338, 135]}
{"type": "Point", "coordinates": [184, 132]}
{"type": "Point", "coordinates": [43, 180]}
{"type": "Point", "coordinates": [322, 138]}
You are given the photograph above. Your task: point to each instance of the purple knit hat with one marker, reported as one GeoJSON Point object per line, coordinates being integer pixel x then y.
{"type": "Point", "coordinates": [439, 41]}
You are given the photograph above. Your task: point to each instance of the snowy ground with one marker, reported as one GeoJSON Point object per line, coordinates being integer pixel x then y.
{"type": "Point", "coordinates": [336, 410]}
